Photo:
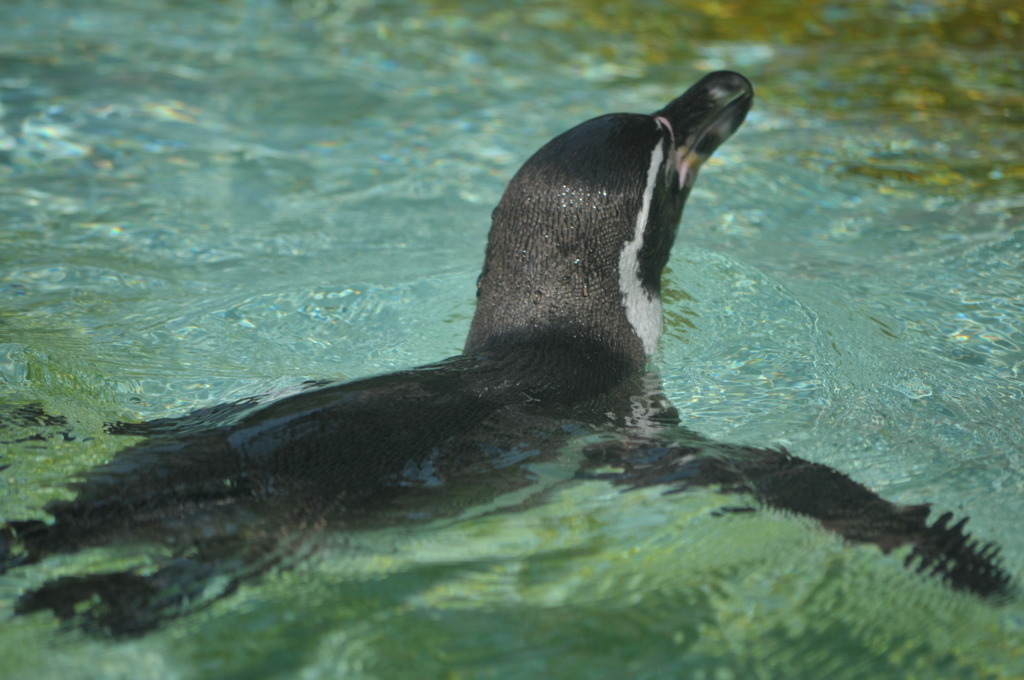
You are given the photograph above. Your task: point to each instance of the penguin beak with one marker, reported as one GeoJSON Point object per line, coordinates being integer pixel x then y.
{"type": "Point", "coordinates": [703, 117]}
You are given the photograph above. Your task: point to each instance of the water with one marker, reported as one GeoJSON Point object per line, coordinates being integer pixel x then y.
{"type": "Point", "coordinates": [205, 201]}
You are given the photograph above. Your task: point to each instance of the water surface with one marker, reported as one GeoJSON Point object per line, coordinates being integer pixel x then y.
{"type": "Point", "coordinates": [206, 201]}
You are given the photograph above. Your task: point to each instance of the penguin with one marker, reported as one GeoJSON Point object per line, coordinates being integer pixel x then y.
{"type": "Point", "coordinates": [568, 313]}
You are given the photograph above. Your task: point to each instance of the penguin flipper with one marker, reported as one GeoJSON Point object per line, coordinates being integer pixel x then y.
{"type": "Point", "coordinates": [200, 419]}
{"type": "Point", "coordinates": [781, 481]}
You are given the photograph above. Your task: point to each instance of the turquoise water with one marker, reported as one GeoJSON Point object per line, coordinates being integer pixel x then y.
{"type": "Point", "coordinates": [205, 201]}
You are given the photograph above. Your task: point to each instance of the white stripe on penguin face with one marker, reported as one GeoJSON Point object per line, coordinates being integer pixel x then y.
{"type": "Point", "coordinates": [643, 308]}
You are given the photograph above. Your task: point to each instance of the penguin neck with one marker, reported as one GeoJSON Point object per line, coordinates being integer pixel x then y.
{"type": "Point", "coordinates": [618, 344]}
{"type": "Point", "coordinates": [562, 301]}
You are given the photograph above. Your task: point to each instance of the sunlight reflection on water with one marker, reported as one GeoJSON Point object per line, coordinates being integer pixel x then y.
{"type": "Point", "coordinates": [197, 211]}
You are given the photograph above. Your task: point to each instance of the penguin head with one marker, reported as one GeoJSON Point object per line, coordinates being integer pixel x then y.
{"type": "Point", "coordinates": [581, 235]}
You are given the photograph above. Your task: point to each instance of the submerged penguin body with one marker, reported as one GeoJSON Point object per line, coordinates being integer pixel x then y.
{"type": "Point", "coordinates": [342, 448]}
{"type": "Point", "coordinates": [568, 311]}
